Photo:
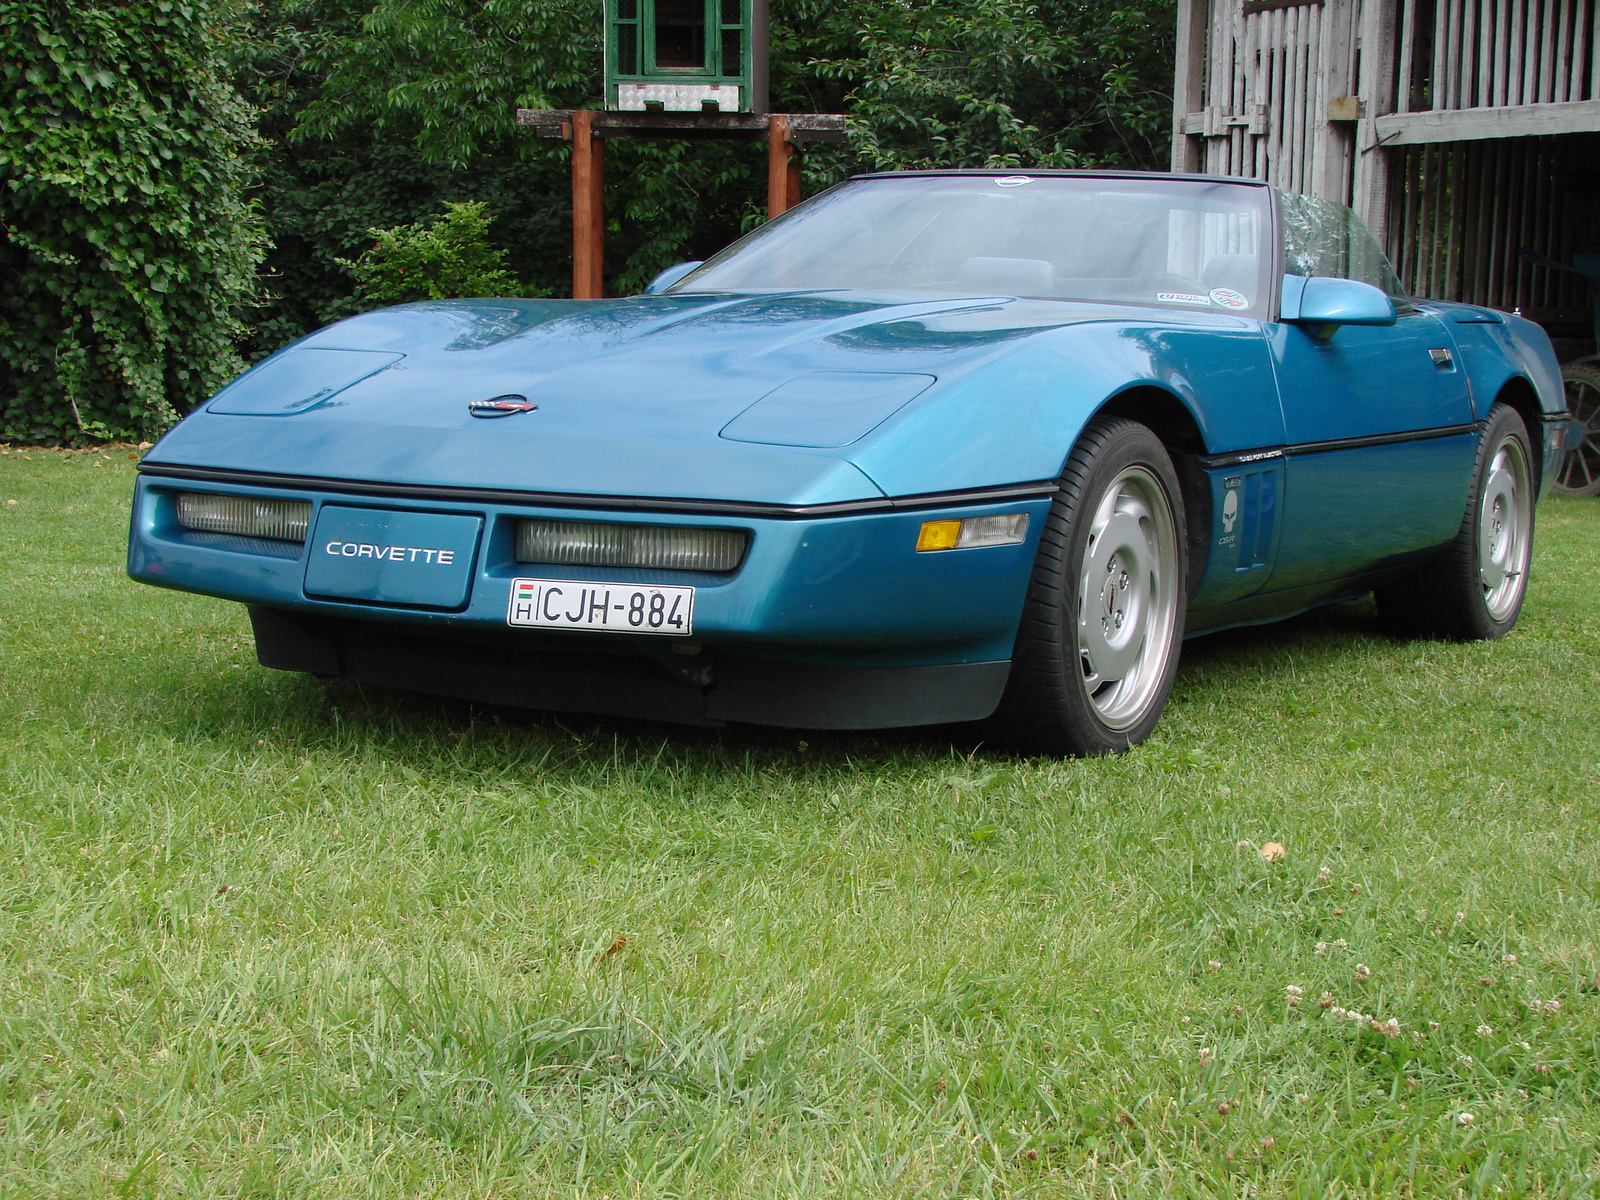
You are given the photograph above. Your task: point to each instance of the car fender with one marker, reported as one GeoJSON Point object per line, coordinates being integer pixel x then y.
{"type": "Point", "coordinates": [1016, 418]}
{"type": "Point", "coordinates": [1501, 351]}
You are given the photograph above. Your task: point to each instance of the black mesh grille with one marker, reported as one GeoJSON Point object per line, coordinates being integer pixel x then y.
{"type": "Point", "coordinates": [730, 52]}
{"type": "Point", "coordinates": [627, 49]}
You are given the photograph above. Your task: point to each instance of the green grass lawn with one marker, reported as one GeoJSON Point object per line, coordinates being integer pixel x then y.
{"type": "Point", "coordinates": [268, 936]}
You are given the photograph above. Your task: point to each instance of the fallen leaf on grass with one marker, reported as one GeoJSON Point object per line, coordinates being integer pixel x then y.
{"type": "Point", "coordinates": [616, 947]}
{"type": "Point", "coordinates": [1273, 852]}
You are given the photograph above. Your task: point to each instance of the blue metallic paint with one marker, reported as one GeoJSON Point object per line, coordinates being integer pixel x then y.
{"type": "Point", "coordinates": [641, 397]}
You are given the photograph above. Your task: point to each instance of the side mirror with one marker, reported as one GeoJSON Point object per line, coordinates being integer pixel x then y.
{"type": "Point", "coordinates": [669, 277]}
{"type": "Point", "coordinates": [1321, 301]}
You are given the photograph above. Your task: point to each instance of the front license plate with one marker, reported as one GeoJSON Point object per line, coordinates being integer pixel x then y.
{"type": "Point", "coordinates": [613, 607]}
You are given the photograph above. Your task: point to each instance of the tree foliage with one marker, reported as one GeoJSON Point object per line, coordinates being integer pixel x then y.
{"type": "Point", "coordinates": [437, 259]}
{"type": "Point", "coordinates": [379, 112]}
{"type": "Point", "coordinates": [136, 194]}
{"type": "Point", "coordinates": [129, 247]}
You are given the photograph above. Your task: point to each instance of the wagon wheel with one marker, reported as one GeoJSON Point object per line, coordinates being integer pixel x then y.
{"type": "Point", "coordinates": [1579, 474]}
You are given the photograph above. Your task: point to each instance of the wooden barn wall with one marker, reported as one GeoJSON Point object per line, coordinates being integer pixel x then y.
{"type": "Point", "coordinates": [1461, 213]}
{"type": "Point", "coordinates": [1456, 54]}
{"type": "Point", "coordinates": [1300, 93]}
{"type": "Point", "coordinates": [1267, 91]}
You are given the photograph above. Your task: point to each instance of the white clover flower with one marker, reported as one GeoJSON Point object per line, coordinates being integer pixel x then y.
{"type": "Point", "coordinates": [1485, 1031]}
{"type": "Point", "coordinates": [1552, 1006]}
{"type": "Point", "coordinates": [1327, 1000]}
{"type": "Point", "coordinates": [1206, 1055]}
{"type": "Point", "coordinates": [1325, 874]}
{"type": "Point", "coordinates": [1337, 1011]}
{"type": "Point", "coordinates": [1434, 1026]}
{"type": "Point", "coordinates": [1509, 959]}
{"type": "Point", "coordinates": [1322, 949]}
{"type": "Point", "coordinates": [1363, 971]}
{"type": "Point", "coordinates": [1465, 1119]}
{"type": "Point", "coordinates": [1291, 990]}
{"type": "Point", "coordinates": [1460, 917]}
{"type": "Point", "coordinates": [1389, 1028]}
{"type": "Point", "coordinates": [1213, 965]}
{"type": "Point", "coordinates": [1340, 944]}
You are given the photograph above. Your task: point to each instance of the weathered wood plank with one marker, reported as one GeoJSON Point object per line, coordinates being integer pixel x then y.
{"type": "Point", "coordinates": [803, 127]}
{"type": "Point", "coordinates": [1517, 61]}
{"type": "Point", "coordinates": [1563, 63]}
{"type": "Point", "coordinates": [1408, 52]}
{"type": "Point", "coordinates": [1189, 84]}
{"type": "Point", "coordinates": [1469, 40]}
{"type": "Point", "coordinates": [1370, 175]}
{"type": "Point", "coordinates": [1475, 124]}
{"type": "Point", "coordinates": [1452, 52]}
{"type": "Point", "coordinates": [1541, 47]}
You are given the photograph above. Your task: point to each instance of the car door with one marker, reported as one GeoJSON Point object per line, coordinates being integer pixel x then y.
{"type": "Point", "coordinates": [1380, 446]}
{"type": "Point", "coordinates": [1378, 419]}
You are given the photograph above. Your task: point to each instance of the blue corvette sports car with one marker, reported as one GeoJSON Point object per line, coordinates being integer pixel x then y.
{"type": "Point", "coordinates": [931, 447]}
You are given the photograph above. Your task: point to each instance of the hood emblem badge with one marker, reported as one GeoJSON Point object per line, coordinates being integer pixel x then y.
{"type": "Point", "coordinates": [501, 406]}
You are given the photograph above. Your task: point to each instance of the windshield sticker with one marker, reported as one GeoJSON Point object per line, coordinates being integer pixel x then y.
{"type": "Point", "coordinates": [1228, 298]}
{"type": "Point", "coordinates": [1181, 298]}
{"type": "Point", "coordinates": [1013, 180]}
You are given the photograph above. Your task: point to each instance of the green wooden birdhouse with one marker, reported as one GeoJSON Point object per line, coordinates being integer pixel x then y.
{"type": "Point", "coordinates": [686, 55]}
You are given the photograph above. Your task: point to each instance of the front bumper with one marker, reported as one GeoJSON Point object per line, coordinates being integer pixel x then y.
{"type": "Point", "coordinates": [816, 602]}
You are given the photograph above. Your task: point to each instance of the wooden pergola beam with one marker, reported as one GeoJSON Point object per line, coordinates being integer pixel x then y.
{"type": "Point", "coordinates": [587, 129]}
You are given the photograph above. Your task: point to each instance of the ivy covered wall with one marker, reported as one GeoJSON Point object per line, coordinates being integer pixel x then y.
{"type": "Point", "coordinates": [128, 248]}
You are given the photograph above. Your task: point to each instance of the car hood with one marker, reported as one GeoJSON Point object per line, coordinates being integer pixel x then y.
{"type": "Point", "coordinates": [645, 396]}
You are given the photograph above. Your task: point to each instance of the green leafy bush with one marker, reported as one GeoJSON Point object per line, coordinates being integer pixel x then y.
{"type": "Point", "coordinates": [439, 258]}
{"type": "Point", "coordinates": [129, 248]}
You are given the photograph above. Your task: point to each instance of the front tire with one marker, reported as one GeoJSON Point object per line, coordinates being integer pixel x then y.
{"type": "Point", "coordinates": [1474, 591]}
{"type": "Point", "coordinates": [1101, 627]}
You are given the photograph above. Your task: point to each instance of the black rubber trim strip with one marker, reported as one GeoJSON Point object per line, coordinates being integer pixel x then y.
{"type": "Point", "coordinates": [1554, 418]}
{"type": "Point", "coordinates": [1040, 490]}
{"type": "Point", "coordinates": [1237, 458]}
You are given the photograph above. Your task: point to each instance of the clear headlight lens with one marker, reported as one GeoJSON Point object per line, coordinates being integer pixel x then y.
{"type": "Point", "coordinates": [246, 516]}
{"type": "Point", "coordinates": [1008, 529]}
{"type": "Point", "coordinates": [596, 544]}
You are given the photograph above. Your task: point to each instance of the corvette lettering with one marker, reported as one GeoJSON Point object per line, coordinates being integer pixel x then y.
{"type": "Point", "coordinates": [423, 554]}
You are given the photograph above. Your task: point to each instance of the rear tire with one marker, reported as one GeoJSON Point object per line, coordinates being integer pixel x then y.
{"type": "Point", "coordinates": [1474, 590]}
{"type": "Point", "coordinates": [1103, 621]}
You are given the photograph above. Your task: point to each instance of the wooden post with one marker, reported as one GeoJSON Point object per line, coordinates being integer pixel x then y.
{"type": "Point", "coordinates": [1188, 93]}
{"type": "Point", "coordinates": [1381, 93]}
{"type": "Point", "coordinates": [588, 207]}
{"type": "Point", "coordinates": [783, 168]}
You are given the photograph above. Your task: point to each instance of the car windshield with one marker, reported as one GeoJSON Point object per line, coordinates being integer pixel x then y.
{"type": "Point", "coordinates": [1186, 244]}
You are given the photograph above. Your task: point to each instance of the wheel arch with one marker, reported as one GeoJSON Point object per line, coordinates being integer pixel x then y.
{"type": "Point", "coordinates": [1519, 394]}
{"type": "Point", "coordinates": [1172, 421]}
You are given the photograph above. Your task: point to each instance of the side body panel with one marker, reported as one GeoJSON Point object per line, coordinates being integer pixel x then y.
{"type": "Point", "coordinates": [1380, 441]}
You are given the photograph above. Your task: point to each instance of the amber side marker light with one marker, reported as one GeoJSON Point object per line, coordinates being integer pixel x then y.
{"type": "Point", "coordinates": [969, 533]}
